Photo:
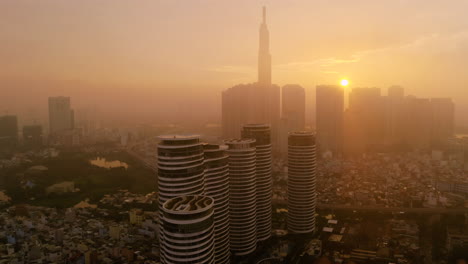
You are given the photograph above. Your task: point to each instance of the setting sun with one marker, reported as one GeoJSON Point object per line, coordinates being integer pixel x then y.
{"type": "Point", "coordinates": [344, 82]}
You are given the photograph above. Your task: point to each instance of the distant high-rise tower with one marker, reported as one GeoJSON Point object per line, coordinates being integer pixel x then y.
{"type": "Point", "coordinates": [60, 115]}
{"type": "Point", "coordinates": [396, 91]}
{"type": "Point", "coordinates": [329, 118]}
{"type": "Point", "coordinates": [254, 103]}
{"type": "Point", "coordinates": [264, 57]}
{"type": "Point", "coordinates": [242, 195]}
{"type": "Point", "coordinates": [293, 102]}
{"type": "Point", "coordinates": [293, 113]}
{"type": "Point", "coordinates": [262, 135]}
{"type": "Point", "coordinates": [418, 119]}
{"type": "Point", "coordinates": [217, 187]}
{"type": "Point", "coordinates": [443, 119]}
{"type": "Point", "coordinates": [367, 114]}
{"type": "Point", "coordinates": [180, 167]}
{"type": "Point", "coordinates": [236, 109]}
{"type": "Point", "coordinates": [301, 182]}
{"type": "Point", "coordinates": [394, 115]}
{"type": "Point", "coordinates": [187, 226]}
{"type": "Point", "coordinates": [8, 131]}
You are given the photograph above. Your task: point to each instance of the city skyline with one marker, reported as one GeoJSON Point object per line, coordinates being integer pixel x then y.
{"type": "Point", "coordinates": [373, 55]}
{"type": "Point", "coordinates": [156, 138]}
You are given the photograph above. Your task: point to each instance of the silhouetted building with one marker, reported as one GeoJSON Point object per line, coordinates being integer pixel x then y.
{"type": "Point", "coordinates": [242, 195]}
{"type": "Point", "coordinates": [443, 119]}
{"type": "Point", "coordinates": [253, 103]}
{"type": "Point", "coordinates": [301, 182]}
{"type": "Point", "coordinates": [374, 122]}
{"type": "Point", "coordinates": [366, 106]}
{"type": "Point", "coordinates": [61, 116]}
{"type": "Point", "coordinates": [8, 131]}
{"type": "Point", "coordinates": [236, 109]}
{"type": "Point", "coordinates": [188, 230]}
{"type": "Point", "coordinates": [86, 119]}
{"type": "Point", "coordinates": [249, 103]}
{"type": "Point", "coordinates": [293, 106]}
{"type": "Point", "coordinates": [217, 187]}
{"type": "Point", "coordinates": [418, 122]}
{"type": "Point", "coordinates": [264, 56]}
{"type": "Point", "coordinates": [293, 113]}
{"type": "Point", "coordinates": [396, 91]}
{"type": "Point", "coordinates": [329, 118]}
{"type": "Point", "coordinates": [32, 136]}
{"type": "Point", "coordinates": [261, 134]}
{"type": "Point", "coordinates": [394, 116]}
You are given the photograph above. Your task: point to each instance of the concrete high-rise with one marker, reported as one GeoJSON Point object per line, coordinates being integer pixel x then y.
{"type": "Point", "coordinates": [180, 167]}
{"type": "Point", "coordinates": [264, 56]}
{"type": "Point", "coordinates": [395, 91]}
{"type": "Point", "coordinates": [394, 116]}
{"type": "Point", "coordinates": [242, 195]}
{"type": "Point", "coordinates": [443, 119]}
{"type": "Point", "coordinates": [250, 103]}
{"type": "Point", "coordinates": [257, 102]}
{"type": "Point", "coordinates": [301, 182]}
{"type": "Point", "coordinates": [217, 187]}
{"type": "Point", "coordinates": [293, 106]}
{"type": "Point", "coordinates": [418, 122]}
{"type": "Point", "coordinates": [367, 108]}
{"type": "Point", "coordinates": [61, 116]}
{"type": "Point", "coordinates": [188, 230]}
{"type": "Point", "coordinates": [8, 131]}
{"type": "Point", "coordinates": [262, 135]}
{"type": "Point", "coordinates": [236, 109]}
{"type": "Point", "coordinates": [329, 118]}
{"type": "Point", "coordinates": [292, 114]}
{"type": "Point", "coordinates": [267, 98]}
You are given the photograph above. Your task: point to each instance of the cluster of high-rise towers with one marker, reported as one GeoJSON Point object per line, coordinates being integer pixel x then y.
{"type": "Point", "coordinates": [262, 102]}
{"type": "Point", "coordinates": [376, 122]}
{"type": "Point", "coordinates": [371, 121]}
{"type": "Point", "coordinates": [216, 200]}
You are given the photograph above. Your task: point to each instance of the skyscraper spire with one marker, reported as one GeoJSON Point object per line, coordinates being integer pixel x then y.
{"type": "Point", "coordinates": [264, 15]}
{"type": "Point", "coordinates": [264, 57]}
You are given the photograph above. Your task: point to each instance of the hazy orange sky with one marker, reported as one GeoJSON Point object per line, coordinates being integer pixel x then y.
{"type": "Point", "coordinates": [153, 57]}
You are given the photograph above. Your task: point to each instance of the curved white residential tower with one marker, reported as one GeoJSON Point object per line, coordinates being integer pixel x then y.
{"type": "Point", "coordinates": [187, 224]}
{"type": "Point", "coordinates": [301, 182]}
{"type": "Point", "coordinates": [217, 187]}
{"type": "Point", "coordinates": [180, 167]}
{"type": "Point", "coordinates": [242, 196]}
{"type": "Point", "coordinates": [261, 134]}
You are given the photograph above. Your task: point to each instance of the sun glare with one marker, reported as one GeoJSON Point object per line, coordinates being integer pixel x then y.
{"type": "Point", "coordinates": [344, 82]}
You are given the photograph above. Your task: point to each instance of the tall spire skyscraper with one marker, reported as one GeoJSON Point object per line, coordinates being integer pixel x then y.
{"type": "Point", "coordinates": [264, 57]}
{"type": "Point", "coordinates": [256, 103]}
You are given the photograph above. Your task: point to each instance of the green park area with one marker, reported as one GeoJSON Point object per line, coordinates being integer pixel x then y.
{"type": "Point", "coordinates": [31, 183]}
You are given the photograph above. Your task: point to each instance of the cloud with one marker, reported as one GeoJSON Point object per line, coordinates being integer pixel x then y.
{"type": "Point", "coordinates": [425, 44]}
{"type": "Point", "coordinates": [430, 43]}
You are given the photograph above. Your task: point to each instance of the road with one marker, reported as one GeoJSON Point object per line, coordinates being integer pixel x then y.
{"type": "Point", "coordinates": [336, 207]}
{"type": "Point", "coordinates": [439, 210]}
